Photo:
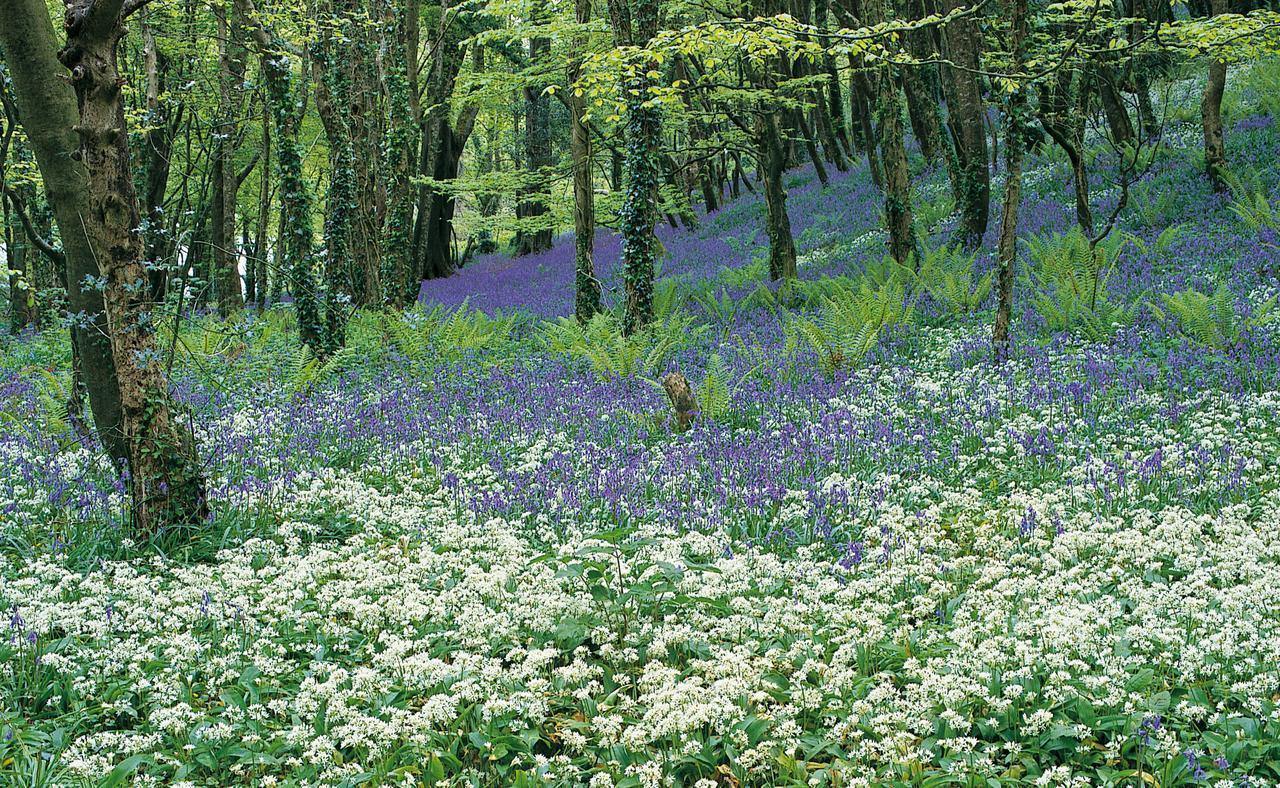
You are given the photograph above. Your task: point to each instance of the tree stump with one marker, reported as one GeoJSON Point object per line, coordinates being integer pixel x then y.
{"type": "Point", "coordinates": [682, 401]}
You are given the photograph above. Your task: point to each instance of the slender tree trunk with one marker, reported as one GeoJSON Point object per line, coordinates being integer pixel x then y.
{"type": "Point", "coordinates": [399, 279]}
{"type": "Point", "coordinates": [1113, 107]}
{"type": "Point", "coordinates": [1215, 151]}
{"type": "Point", "coordinates": [897, 197]}
{"type": "Point", "coordinates": [1013, 145]}
{"type": "Point", "coordinates": [967, 118]}
{"type": "Point", "coordinates": [158, 147]}
{"type": "Point", "coordinates": [533, 235]}
{"type": "Point", "coordinates": [22, 293]}
{"type": "Point", "coordinates": [48, 114]}
{"type": "Point", "coordinates": [586, 286]}
{"type": "Point", "coordinates": [231, 77]}
{"type": "Point", "coordinates": [296, 248]}
{"type": "Point", "coordinates": [165, 477]}
{"type": "Point", "coordinates": [342, 275]}
{"type": "Point", "coordinates": [1062, 119]}
{"type": "Point", "coordinates": [897, 176]}
{"type": "Point", "coordinates": [782, 249]}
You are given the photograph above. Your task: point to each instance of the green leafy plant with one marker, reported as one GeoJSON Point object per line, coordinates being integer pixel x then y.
{"type": "Point", "coordinates": [1152, 203]}
{"type": "Point", "coordinates": [1211, 319]}
{"type": "Point", "coordinates": [1252, 204]}
{"type": "Point", "coordinates": [1069, 276]}
{"type": "Point", "coordinates": [446, 335]}
{"type": "Point", "coordinates": [611, 354]}
{"type": "Point", "coordinates": [947, 274]}
{"type": "Point", "coordinates": [850, 322]}
{"type": "Point", "coordinates": [1161, 244]}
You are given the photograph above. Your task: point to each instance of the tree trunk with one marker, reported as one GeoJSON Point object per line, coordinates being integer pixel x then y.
{"type": "Point", "coordinates": [1113, 107]}
{"type": "Point", "coordinates": [399, 279]}
{"type": "Point", "coordinates": [231, 76]}
{"type": "Point", "coordinates": [1062, 119]}
{"type": "Point", "coordinates": [165, 477]}
{"type": "Point", "coordinates": [1215, 152]}
{"type": "Point", "coordinates": [967, 118]}
{"type": "Point", "coordinates": [297, 241]}
{"type": "Point", "coordinates": [1013, 145]}
{"type": "Point", "coordinates": [635, 23]}
{"type": "Point", "coordinates": [48, 114]}
{"type": "Point", "coordinates": [158, 147]}
{"type": "Point", "coordinates": [534, 234]}
{"type": "Point", "coordinates": [782, 249]}
{"type": "Point", "coordinates": [22, 292]}
{"type": "Point", "coordinates": [586, 286]}
{"type": "Point", "coordinates": [897, 177]}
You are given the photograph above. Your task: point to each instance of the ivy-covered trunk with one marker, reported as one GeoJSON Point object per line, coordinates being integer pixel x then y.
{"type": "Point", "coordinates": [295, 251]}
{"type": "Point", "coordinates": [226, 186]}
{"type": "Point", "coordinates": [399, 280]}
{"type": "Point", "coordinates": [635, 24]}
{"type": "Point", "coordinates": [166, 480]}
{"type": "Point", "coordinates": [333, 97]}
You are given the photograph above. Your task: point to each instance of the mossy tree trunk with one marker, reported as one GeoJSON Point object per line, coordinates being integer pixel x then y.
{"type": "Point", "coordinates": [48, 113]}
{"type": "Point", "coordinates": [166, 480]}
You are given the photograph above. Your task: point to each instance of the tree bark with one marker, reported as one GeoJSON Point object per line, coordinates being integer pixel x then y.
{"type": "Point", "coordinates": [297, 241]}
{"type": "Point", "coordinates": [1215, 151]}
{"type": "Point", "coordinates": [399, 279]}
{"type": "Point", "coordinates": [48, 114]}
{"type": "Point", "coordinates": [635, 23]}
{"type": "Point", "coordinates": [165, 477]}
{"type": "Point", "coordinates": [1013, 151]}
{"type": "Point", "coordinates": [533, 234]}
{"type": "Point", "coordinates": [782, 248]}
{"type": "Point", "coordinates": [586, 286]}
{"type": "Point", "coordinates": [967, 118]}
{"type": "Point", "coordinates": [231, 76]}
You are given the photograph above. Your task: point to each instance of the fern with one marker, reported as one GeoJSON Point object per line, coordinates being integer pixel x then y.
{"type": "Point", "coordinates": [948, 275]}
{"type": "Point", "coordinates": [850, 322]}
{"type": "Point", "coordinates": [1210, 319]}
{"type": "Point", "coordinates": [610, 354]}
{"type": "Point", "coordinates": [1161, 245]}
{"type": "Point", "coordinates": [1252, 204]}
{"type": "Point", "coordinates": [1070, 278]}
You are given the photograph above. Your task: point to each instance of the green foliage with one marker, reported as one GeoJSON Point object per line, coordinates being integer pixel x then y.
{"type": "Point", "coordinates": [1161, 245]}
{"type": "Point", "coordinates": [948, 274]}
{"type": "Point", "coordinates": [1211, 319]}
{"type": "Point", "coordinates": [1069, 276]}
{"type": "Point", "coordinates": [850, 321]}
{"type": "Point", "coordinates": [443, 335]}
{"type": "Point", "coordinates": [1153, 204]}
{"type": "Point", "coordinates": [1252, 204]}
{"type": "Point", "coordinates": [52, 417]}
{"type": "Point", "coordinates": [626, 584]}
{"type": "Point", "coordinates": [723, 309]}
{"type": "Point", "coordinates": [610, 353]}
